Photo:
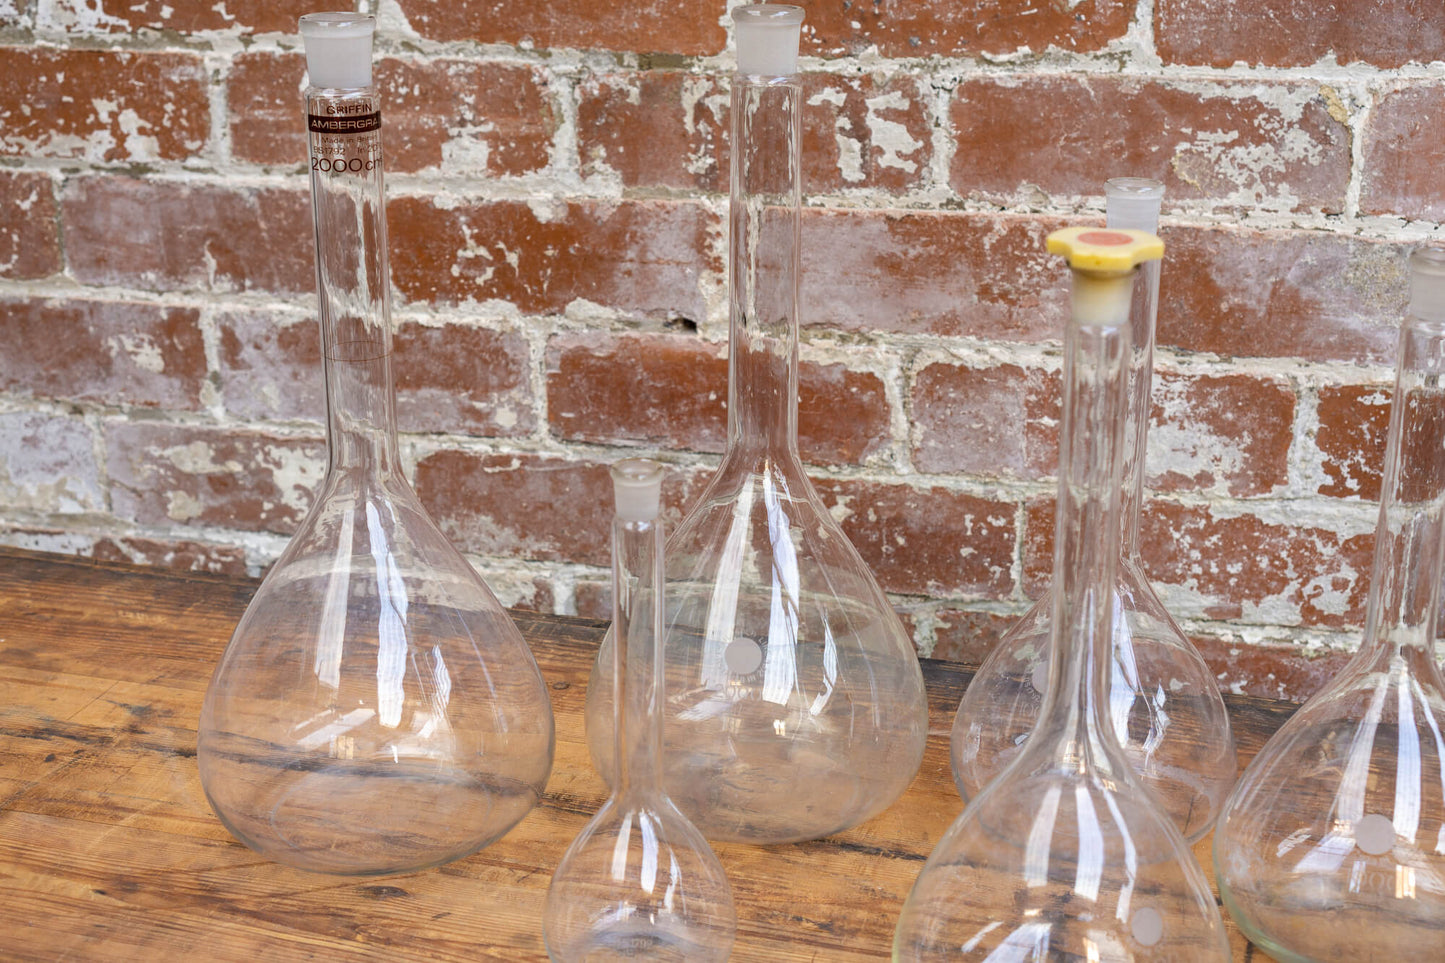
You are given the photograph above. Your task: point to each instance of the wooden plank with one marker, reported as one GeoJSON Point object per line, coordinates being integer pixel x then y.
{"type": "Point", "coordinates": [108, 849]}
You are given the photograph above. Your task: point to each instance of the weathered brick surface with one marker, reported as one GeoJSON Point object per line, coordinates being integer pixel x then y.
{"type": "Point", "coordinates": [102, 105]}
{"type": "Point", "coordinates": [926, 541]}
{"type": "Point", "coordinates": [688, 27]}
{"type": "Point", "coordinates": [48, 464]}
{"type": "Point", "coordinates": [532, 506]}
{"type": "Point", "coordinates": [493, 118]}
{"type": "Point", "coordinates": [189, 475]}
{"type": "Point", "coordinates": [1404, 170]}
{"type": "Point", "coordinates": [1251, 145]}
{"type": "Point", "coordinates": [919, 28]}
{"type": "Point", "coordinates": [1283, 33]}
{"type": "Point", "coordinates": [671, 390]}
{"type": "Point", "coordinates": [963, 636]}
{"type": "Point", "coordinates": [270, 366]}
{"type": "Point", "coordinates": [644, 258]}
{"type": "Point", "coordinates": [463, 379]}
{"type": "Point", "coordinates": [111, 352]}
{"type": "Point", "coordinates": [29, 242]}
{"type": "Point", "coordinates": [925, 272]}
{"type": "Point", "coordinates": [998, 421]}
{"type": "Point", "coordinates": [1353, 423]}
{"type": "Point", "coordinates": [1269, 671]}
{"type": "Point", "coordinates": [670, 129]}
{"type": "Point", "coordinates": [185, 16]}
{"type": "Point", "coordinates": [162, 236]}
{"type": "Point", "coordinates": [1281, 294]}
{"type": "Point", "coordinates": [1226, 433]}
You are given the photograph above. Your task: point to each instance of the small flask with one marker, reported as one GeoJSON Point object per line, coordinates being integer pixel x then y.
{"type": "Point", "coordinates": [1065, 855]}
{"type": "Point", "coordinates": [376, 711]}
{"type": "Point", "coordinates": [1332, 846]}
{"type": "Point", "coordinates": [1165, 705]}
{"type": "Point", "coordinates": [639, 881]}
{"type": "Point", "coordinates": [795, 703]}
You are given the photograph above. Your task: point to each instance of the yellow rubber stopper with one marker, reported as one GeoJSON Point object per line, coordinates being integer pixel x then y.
{"type": "Point", "coordinates": [1105, 249]}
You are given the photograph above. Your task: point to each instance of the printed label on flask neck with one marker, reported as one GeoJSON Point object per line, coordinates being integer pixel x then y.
{"type": "Point", "coordinates": [352, 124]}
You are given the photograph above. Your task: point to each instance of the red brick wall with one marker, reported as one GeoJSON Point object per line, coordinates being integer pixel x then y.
{"type": "Point", "coordinates": [557, 206]}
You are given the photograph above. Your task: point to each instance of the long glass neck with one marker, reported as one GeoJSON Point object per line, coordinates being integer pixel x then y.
{"type": "Point", "coordinates": [763, 252]}
{"type": "Point", "coordinates": [344, 142]}
{"type": "Point", "coordinates": [1086, 529]}
{"type": "Point", "coordinates": [637, 631]}
{"type": "Point", "coordinates": [1405, 579]}
{"type": "Point", "coordinates": [1142, 313]}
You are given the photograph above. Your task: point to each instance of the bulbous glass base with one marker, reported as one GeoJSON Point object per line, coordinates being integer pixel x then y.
{"type": "Point", "coordinates": [1164, 703]}
{"type": "Point", "coordinates": [376, 711]}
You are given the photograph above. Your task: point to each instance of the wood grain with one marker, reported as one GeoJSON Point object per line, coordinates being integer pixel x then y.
{"type": "Point", "coordinates": [109, 851]}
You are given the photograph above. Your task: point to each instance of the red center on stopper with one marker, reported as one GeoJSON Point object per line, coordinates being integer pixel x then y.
{"type": "Point", "coordinates": [1110, 238]}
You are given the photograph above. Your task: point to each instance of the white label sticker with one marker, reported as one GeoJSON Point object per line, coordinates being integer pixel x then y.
{"type": "Point", "coordinates": [1375, 834]}
{"type": "Point", "coordinates": [1040, 678]}
{"type": "Point", "coordinates": [1147, 925]}
{"type": "Point", "coordinates": [743, 656]}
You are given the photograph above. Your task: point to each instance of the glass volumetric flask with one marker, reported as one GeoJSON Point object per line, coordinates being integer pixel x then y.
{"type": "Point", "coordinates": [795, 703]}
{"type": "Point", "coordinates": [1164, 703]}
{"type": "Point", "coordinates": [376, 711]}
{"type": "Point", "coordinates": [1066, 856]}
{"type": "Point", "coordinates": [639, 882]}
{"type": "Point", "coordinates": [1332, 846]}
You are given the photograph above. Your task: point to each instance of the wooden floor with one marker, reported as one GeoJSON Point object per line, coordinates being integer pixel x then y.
{"type": "Point", "coordinates": [109, 851]}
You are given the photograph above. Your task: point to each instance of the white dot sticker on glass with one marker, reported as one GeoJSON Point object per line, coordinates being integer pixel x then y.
{"type": "Point", "coordinates": [1147, 925]}
{"type": "Point", "coordinates": [1040, 677]}
{"type": "Point", "coordinates": [1375, 834]}
{"type": "Point", "coordinates": [743, 656]}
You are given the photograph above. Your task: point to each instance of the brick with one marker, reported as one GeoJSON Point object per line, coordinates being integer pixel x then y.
{"type": "Point", "coordinates": [1037, 546]}
{"type": "Point", "coordinates": [102, 105]}
{"type": "Point", "coordinates": [463, 379]}
{"type": "Point", "coordinates": [1354, 421]}
{"type": "Point", "coordinates": [593, 600]}
{"type": "Point", "coordinates": [915, 272]}
{"type": "Point", "coordinates": [270, 366]}
{"type": "Point", "coordinates": [1245, 569]}
{"type": "Point", "coordinates": [671, 390]}
{"type": "Point", "coordinates": [926, 541]}
{"type": "Point", "coordinates": [670, 129]}
{"type": "Point", "coordinates": [232, 16]}
{"type": "Point", "coordinates": [641, 258]}
{"type": "Point", "coordinates": [111, 352]}
{"type": "Point", "coordinates": [1269, 671]}
{"type": "Point", "coordinates": [1229, 432]}
{"type": "Point", "coordinates": [185, 475]}
{"type": "Point", "coordinates": [182, 555]}
{"type": "Point", "coordinates": [532, 506]}
{"type": "Point", "coordinates": [1404, 165]}
{"type": "Point", "coordinates": [1272, 146]}
{"type": "Point", "coordinates": [48, 464]}
{"type": "Point", "coordinates": [29, 242]}
{"type": "Point", "coordinates": [918, 28]}
{"type": "Point", "coordinates": [998, 421]}
{"type": "Point", "coordinates": [166, 235]}
{"type": "Point", "coordinates": [968, 637]}
{"type": "Point", "coordinates": [1302, 294]}
{"type": "Point", "coordinates": [1298, 33]}
{"type": "Point", "coordinates": [485, 117]}
{"type": "Point", "coordinates": [676, 27]}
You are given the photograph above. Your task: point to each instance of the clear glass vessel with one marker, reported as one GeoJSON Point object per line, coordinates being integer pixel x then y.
{"type": "Point", "coordinates": [1166, 708]}
{"type": "Point", "coordinates": [376, 711]}
{"type": "Point", "coordinates": [795, 703]}
{"type": "Point", "coordinates": [639, 882]}
{"type": "Point", "coordinates": [1066, 856]}
{"type": "Point", "coordinates": [1332, 846]}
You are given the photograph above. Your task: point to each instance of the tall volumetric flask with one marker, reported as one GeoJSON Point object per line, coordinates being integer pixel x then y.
{"type": "Point", "coordinates": [795, 704]}
{"type": "Point", "coordinates": [376, 711]}
{"type": "Point", "coordinates": [639, 882]}
{"type": "Point", "coordinates": [1066, 856]}
{"type": "Point", "coordinates": [1164, 705]}
{"type": "Point", "coordinates": [1332, 846]}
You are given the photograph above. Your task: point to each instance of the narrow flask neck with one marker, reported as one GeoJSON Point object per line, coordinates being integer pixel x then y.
{"type": "Point", "coordinates": [354, 302]}
{"type": "Point", "coordinates": [1096, 372]}
{"type": "Point", "coordinates": [1401, 613]}
{"type": "Point", "coordinates": [637, 627]}
{"type": "Point", "coordinates": [763, 258]}
{"type": "Point", "coordinates": [1143, 311]}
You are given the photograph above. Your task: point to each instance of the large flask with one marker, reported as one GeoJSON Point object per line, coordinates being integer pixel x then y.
{"type": "Point", "coordinates": [1065, 855]}
{"type": "Point", "coordinates": [376, 711]}
{"type": "Point", "coordinates": [1164, 704]}
{"type": "Point", "coordinates": [1332, 846]}
{"type": "Point", "coordinates": [795, 704]}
